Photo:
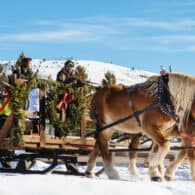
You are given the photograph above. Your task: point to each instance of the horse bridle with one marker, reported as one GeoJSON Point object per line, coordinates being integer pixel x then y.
{"type": "Point", "coordinates": [166, 107]}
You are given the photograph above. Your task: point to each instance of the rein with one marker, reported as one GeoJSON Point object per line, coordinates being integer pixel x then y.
{"type": "Point", "coordinates": [148, 108]}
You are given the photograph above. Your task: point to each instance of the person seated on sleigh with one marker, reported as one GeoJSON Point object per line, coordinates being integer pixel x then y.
{"type": "Point", "coordinates": [66, 76]}
{"type": "Point", "coordinates": [22, 73]}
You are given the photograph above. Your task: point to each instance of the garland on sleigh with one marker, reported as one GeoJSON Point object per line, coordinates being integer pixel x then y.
{"type": "Point", "coordinates": [53, 89]}
{"type": "Point", "coordinates": [19, 94]}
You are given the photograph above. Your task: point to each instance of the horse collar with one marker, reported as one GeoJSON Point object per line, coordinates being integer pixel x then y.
{"type": "Point", "coordinates": [164, 97]}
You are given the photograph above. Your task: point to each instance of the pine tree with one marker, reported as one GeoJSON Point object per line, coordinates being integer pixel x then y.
{"type": "Point", "coordinates": [109, 78]}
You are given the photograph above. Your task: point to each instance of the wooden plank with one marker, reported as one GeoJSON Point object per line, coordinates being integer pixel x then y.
{"type": "Point", "coordinates": [66, 143]}
{"type": "Point", "coordinates": [31, 138]}
{"type": "Point", "coordinates": [69, 140]}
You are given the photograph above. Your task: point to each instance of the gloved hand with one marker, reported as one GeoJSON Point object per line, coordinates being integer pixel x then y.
{"type": "Point", "coordinates": [79, 83]}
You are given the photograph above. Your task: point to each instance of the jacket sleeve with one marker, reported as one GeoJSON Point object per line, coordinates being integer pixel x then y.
{"type": "Point", "coordinates": [69, 80]}
{"type": "Point", "coordinates": [60, 77]}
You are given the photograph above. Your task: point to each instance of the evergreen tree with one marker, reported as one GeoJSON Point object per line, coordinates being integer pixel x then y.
{"type": "Point", "coordinates": [109, 78]}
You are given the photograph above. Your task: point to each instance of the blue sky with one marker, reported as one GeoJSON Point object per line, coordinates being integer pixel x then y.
{"type": "Point", "coordinates": [140, 33]}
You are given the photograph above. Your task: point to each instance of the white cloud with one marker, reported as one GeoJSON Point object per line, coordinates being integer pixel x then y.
{"type": "Point", "coordinates": [117, 22]}
{"type": "Point", "coordinates": [50, 36]}
{"type": "Point", "coordinates": [64, 31]}
{"type": "Point", "coordinates": [112, 33]}
{"type": "Point", "coordinates": [170, 39]}
{"type": "Point", "coordinates": [167, 25]}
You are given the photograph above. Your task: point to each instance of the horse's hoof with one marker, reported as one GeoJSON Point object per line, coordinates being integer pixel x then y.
{"type": "Point", "coordinates": [156, 178]}
{"type": "Point", "coordinates": [168, 178]}
{"type": "Point", "coordinates": [113, 175]}
{"type": "Point", "coordinates": [89, 174]}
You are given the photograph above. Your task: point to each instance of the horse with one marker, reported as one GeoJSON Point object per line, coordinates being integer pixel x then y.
{"type": "Point", "coordinates": [171, 169]}
{"type": "Point", "coordinates": [190, 154]}
{"type": "Point", "coordinates": [114, 102]}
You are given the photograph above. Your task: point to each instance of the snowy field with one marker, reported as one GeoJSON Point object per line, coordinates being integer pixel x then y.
{"type": "Point", "coordinates": [51, 184]}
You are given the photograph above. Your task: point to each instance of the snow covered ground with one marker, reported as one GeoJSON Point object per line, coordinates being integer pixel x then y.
{"type": "Point", "coordinates": [95, 70]}
{"type": "Point", "coordinates": [58, 184]}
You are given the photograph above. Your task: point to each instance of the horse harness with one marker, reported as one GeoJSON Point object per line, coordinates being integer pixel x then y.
{"type": "Point", "coordinates": [162, 101]}
{"type": "Point", "coordinates": [163, 98]}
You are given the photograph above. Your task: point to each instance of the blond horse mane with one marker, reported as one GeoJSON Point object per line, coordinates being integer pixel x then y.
{"type": "Point", "coordinates": [182, 89]}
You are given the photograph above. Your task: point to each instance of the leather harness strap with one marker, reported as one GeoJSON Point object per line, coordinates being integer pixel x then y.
{"type": "Point", "coordinates": [139, 112]}
{"type": "Point", "coordinates": [135, 113]}
{"type": "Point", "coordinates": [163, 98]}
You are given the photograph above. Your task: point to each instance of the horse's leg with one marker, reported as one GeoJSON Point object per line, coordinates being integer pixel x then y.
{"type": "Point", "coordinates": [103, 138]}
{"type": "Point", "coordinates": [134, 144]}
{"type": "Point", "coordinates": [154, 171]}
{"type": "Point", "coordinates": [191, 156]}
{"type": "Point", "coordinates": [170, 171]}
{"type": "Point", "coordinates": [160, 150]}
{"type": "Point", "coordinates": [92, 159]}
{"type": "Point", "coordinates": [160, 167]}
{"type": "Point", "coordinates": [156, 162]}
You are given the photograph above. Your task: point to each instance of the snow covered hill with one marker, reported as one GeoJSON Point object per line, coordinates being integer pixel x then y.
{"type": "Point", "coordinates": [95, 70]}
